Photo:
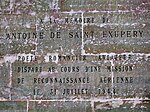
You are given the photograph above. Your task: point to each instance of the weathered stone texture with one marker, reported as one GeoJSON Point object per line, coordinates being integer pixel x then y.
{"type": "Point", "coordinates": [113, 77]}
{"type": "Point", "coordinates": [124, 106]}
{"type": "Point", "coordinates": [13, 106]}
{"type": "Point", "coordinates": [57, 106]}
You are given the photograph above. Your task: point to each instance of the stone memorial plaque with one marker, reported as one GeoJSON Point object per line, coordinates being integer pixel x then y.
{"type": "Point", "coordinates": [120, 32]}
{"type": "Point", "coordinates": [74, 55]}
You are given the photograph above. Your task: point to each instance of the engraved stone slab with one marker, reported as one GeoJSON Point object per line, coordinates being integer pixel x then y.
{"type": "Point", "coordinates": [58, 81]}
{"type": "Point", "coordinates": [117, 33]}
{"type": "Point", "coordinates": [74, 55]}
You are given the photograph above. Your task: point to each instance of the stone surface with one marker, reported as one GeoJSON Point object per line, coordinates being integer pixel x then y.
{"type": "Point", "coordinates": [13, 106]}
{"type": "Point", "coordinates": [124, 106]}
{"type": "Point", "coordinates": [121, 33]}
{"type": "Point", "coordinates": [64, 55]}
{"type": "Point", "coordinates": [5, 81]}
{"type": "Point", "coordinates": [104, 5]}
{"type": "Point", "coordinates": [57, 106]}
